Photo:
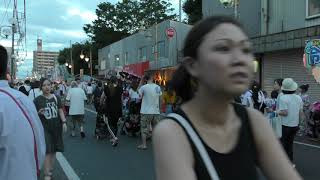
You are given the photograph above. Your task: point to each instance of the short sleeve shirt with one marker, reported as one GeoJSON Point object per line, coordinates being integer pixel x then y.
{"type": "Point", "coordinates": [150, 94]}
{"type": "Point", "coordinates": [51, 118]}
{"type": "Point", "coordinates": [293, 103]}
{"type": "Point", "coordinates": [76, 96]}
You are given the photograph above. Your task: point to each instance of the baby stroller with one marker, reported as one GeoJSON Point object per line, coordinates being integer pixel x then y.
{"type": "Point", "coordinates": [101, 130]}
{"type": "Point", "coordinates": [314, 122]}
{"type": "Point", "coordinates": [131, 125]}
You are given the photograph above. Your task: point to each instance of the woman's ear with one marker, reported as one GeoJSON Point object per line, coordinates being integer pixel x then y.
{"type": "Point", "coordinates": [191, 65]}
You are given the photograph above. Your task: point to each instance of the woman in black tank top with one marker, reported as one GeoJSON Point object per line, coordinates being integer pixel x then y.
{"type": "Point", "coordinates": [217, 67]}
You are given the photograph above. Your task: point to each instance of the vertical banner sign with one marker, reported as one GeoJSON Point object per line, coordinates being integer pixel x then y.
{"type": "Point", "coordinates": [311, 58]}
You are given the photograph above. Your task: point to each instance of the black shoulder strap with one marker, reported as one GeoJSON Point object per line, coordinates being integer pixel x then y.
{"type": "Point", "coordinates": [197, 143]}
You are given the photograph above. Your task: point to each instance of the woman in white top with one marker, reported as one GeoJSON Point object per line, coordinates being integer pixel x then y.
{"type": "Point", "coordinates": [89, 93]}
{"type": "Point", "coordinates": [291, 111]}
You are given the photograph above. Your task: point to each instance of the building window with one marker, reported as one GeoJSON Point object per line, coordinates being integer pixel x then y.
{"type": "Point", "coordinates": [161, 49]}
{"type": "Point", "coordinates": [313, 8]}
{"type": "Point", "coordinates": [126, 58]}
{"type": "Point", "coordinates": [143, 53]}
{"type": "Point", "coordinates": [117, 60]}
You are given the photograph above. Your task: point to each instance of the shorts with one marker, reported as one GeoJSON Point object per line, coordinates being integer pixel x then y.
{"type": "Point", "coordinates": [146, 119]}
{"type": "Point", "coordinates": [54, 141]}
{"type": "Point", "coordinates": [77, 119]}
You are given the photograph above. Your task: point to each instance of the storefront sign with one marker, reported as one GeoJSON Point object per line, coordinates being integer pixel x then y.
{"type": "Point", "coordinates": [136, 69]}
{"type": "Point", "coordinates": [170, 32]}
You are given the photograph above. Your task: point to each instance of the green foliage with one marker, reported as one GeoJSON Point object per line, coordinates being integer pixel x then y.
{"type": "Point", "coordinates": [77, 49]}
{"type": "Point", "coordinates": [117, 21]}
{"type": "Point", "coordinates": [193, 9]}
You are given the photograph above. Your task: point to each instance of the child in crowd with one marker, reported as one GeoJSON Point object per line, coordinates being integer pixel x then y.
{"type": "Point", "coordinates": [271, 104]}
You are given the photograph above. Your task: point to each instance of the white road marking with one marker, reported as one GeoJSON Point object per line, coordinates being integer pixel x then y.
{"type": "Point", "coordinates": [305, 144]}
{"type": "Point", "coordinates": [68, 170]}
{"type": "Point", "coordinates": [92, 111]}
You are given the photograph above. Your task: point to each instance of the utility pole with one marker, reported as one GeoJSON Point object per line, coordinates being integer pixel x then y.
{"type": "Point", "coordinates": [180, 18]}
{"type": "Point", "coordinates": [71, 61]}
{"type": "Point", "coordinates": [12, 51]}
{"type": "Point", "coordinates": [90, 62]}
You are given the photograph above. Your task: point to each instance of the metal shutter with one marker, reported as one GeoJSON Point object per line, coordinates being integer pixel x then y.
{"type": "Point", "coordinates": [288, 64]}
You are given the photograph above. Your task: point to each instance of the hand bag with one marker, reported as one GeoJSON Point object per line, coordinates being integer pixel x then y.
{"type": "Point", "coordinates": [276, 124]}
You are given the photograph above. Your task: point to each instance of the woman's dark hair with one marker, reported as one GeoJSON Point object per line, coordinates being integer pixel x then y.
{"type": "Point", "coordinates": [134, 85]}
{"type": "Point", "coordinates": [274, 94]}
{"type": "Point", "coordinates": [279, 81]}
{"type": "Point", "coordinates": [255, 88]}
{"type": "Point", "coordinates": [35, 84]}
{"type": "Point", "coordinates": [42, 80]}
{"type": "Point", "coordinates": [99, 84]}
{"type": "Point", "coordinates": [3, 62]}
{"type": "Point", "coordinates": [182, 81]}
{"type": "Point", "coordinates": [304, 87]}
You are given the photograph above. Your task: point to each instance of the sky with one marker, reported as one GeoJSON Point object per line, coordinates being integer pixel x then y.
{"type": "Point", "coordinates": [56, 22]}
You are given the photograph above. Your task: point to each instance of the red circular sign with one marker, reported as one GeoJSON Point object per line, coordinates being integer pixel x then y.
{"type": "Point", "coordinates": [170, 32]}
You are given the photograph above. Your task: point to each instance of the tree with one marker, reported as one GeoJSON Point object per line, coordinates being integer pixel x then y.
{"type": "Point", "coordinates": [117, 21]}
{"type": "Point", "coordinates": [193, 9]}
{"type": "Point", "coordinates": [77, 49]}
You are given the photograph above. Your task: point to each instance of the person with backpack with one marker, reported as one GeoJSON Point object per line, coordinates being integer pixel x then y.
{"type": "Point", "coordinates": [50, 111]}
{"type": "Point", "coordinates": [254, 97]}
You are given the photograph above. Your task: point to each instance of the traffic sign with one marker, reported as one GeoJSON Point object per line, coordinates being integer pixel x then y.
{"type": "Point", "coordinates": [170, 32]}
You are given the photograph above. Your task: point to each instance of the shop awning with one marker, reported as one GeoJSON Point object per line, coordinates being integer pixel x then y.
{"type": "Point", "coordinates": [137, 69]}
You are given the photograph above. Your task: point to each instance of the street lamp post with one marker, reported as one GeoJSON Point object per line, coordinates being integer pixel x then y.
{"type": "Point", "coordinates": [87, 59]}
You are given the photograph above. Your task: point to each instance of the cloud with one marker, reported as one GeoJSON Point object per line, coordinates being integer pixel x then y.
{"type": "Point", "coordinates": [54, 32]}
{"type": "Point", "coordinates": [6, 43]}
{"type": "Point", "coordinates": [54, 45]}
{"type": "Point", "coordinates": [87, 16]}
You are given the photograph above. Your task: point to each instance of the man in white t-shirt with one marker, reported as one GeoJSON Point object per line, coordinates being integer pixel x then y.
{"type": "Point", "coordinates": [76, 96]}
{"type": "Point", "coordinates": [150, 107]}
{"type": "Point", "coordinates": [291, 111]}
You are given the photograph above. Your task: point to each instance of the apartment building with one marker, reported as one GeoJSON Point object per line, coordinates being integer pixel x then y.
{"type": "Point", "coordinates": [43, 60]}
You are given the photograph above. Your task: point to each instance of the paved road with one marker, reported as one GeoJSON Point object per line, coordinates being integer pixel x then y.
{"type": "Point", "coordinates": [94, 159]}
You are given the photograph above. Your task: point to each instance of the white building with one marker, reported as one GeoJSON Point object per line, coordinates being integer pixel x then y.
{"type": "Point", "coordinates": [43, 60]}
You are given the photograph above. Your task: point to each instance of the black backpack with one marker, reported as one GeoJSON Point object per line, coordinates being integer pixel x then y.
{"type": "Point", "coordinates": [23, 90]}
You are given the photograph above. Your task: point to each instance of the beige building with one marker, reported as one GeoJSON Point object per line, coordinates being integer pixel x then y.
{"type": "Point", "coordinates": [43, 61]}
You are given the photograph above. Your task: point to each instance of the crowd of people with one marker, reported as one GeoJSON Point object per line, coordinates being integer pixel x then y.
{"type": "Point", "coordinates": [208, 130]}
